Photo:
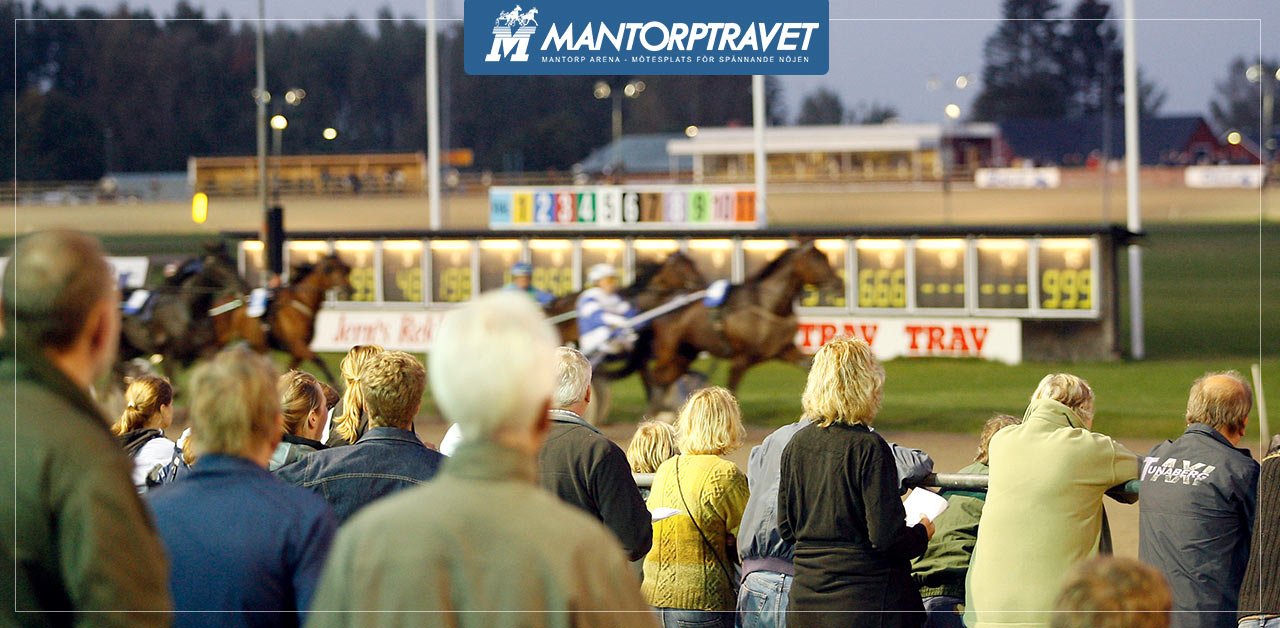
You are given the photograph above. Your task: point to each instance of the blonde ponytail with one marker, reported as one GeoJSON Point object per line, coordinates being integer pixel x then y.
{"type": "Point", "coordinates": [144, 398]}
{"type": "Point", "coordinates": [348, 424]}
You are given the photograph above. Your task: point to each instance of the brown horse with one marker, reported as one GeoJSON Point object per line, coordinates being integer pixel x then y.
{"type": "Point", "coordinates": [290, 322]}
{"type": "Point", "coordinates": [654, 285]}
{"type": "Point", "coordinates": [756, 322]}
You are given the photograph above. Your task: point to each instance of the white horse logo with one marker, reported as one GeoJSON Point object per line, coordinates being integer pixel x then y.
{"type": "Point", "coordinates": [513, 16]}
{"type": "Point", "coordinates": [528, 17]}
{"type": "Point", "coordinates": [508, 44]}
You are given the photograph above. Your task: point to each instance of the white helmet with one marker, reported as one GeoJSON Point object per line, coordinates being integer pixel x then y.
{"type": "Point", "coordinates": [600, 271]}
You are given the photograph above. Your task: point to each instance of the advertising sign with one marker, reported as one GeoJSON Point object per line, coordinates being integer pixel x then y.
{"type": "Point", "coordinates": [131, 272]}
{"type": "Point", "coordinates": [677, 207]}
{"type": "Point", "coordinates": [1017, 178]}
{"type": "Point", "coordinates": [1223, 176]}
{"type": "Point", "coordinates": [588, 37]}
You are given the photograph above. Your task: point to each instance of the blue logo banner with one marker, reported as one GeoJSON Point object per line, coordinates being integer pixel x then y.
{"type": "Point", "coordinates": [655, 37]}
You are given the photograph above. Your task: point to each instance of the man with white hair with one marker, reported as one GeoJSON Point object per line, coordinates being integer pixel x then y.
{"type": "Point", "coordinates": [602, 316]}
{"type": "Point", "coordinates": [482, 544]}
{"type": "Point", "coordinates": [586, 469]}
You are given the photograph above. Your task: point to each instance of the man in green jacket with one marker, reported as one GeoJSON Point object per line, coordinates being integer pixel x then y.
{"type": "Point", "coordinates": [481, 545]}
{"type": "Point", "coordinates": [82, 546]}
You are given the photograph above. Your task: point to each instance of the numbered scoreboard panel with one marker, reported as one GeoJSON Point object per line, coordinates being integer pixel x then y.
{"type": "Point", "coordinates": [643, 207]}
{"type": "Point", "coordinates": [1025, 277]}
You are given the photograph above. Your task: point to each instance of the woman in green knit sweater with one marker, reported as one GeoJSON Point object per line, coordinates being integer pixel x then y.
{"type": "Point", "coordinates": [689, 575]}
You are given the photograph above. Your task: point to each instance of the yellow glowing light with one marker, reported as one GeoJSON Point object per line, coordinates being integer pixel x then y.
{"type": "Point", "coordinates": [402, 245]}
{"type": "Point", "coordinates": [601, 245]}
{"type": "Point", "coordinates": [656, 245]}
{"type": "Point", "coordinates": [549, 245]}
{"type": "Point", "coordinates": [500, 245]}
{"type": "Point", "coordinates": [252, 245]}
{"type": "Point", "coordinates": [874, 245]}
{"type": "Point", "coordinates": [1067, 243]}
{"type": "Point", "coordinates": [200, 207]}
{"type": "Point", "coordinates": [710, 245]}
{"type": "Point", "coordinates": [309, 245]}
{"type": "Point", "coordinates": [278, 122]}
{"type": "Point", "coordinates": [764, 245]}
{"type": "Point", "coordinates": [948, 243]}
{"type": "Point", "coordinates": [329, 133]}
{"type": "Point", "coordinates": [450, 245]}
{"type": "Point", "coordinates": [953, 111]}
{"type": "Point", "coordinates": [1233, 138]}
{"type": "Point", "coordinates": [691, 131]}
{"type": "Point", "coordinates": [829, 245]}
{"type": "Point", "coordinates": [1002, 245]}
{"type": "Point", "coordinates": [354, 245]}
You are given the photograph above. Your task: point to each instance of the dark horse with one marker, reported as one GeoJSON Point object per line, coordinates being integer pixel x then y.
{"type": "Point", "coordinates": [290, 322]}
{"type": "Point", "coordinates": [175, 322]}
{"type": "Point", "coordinates": [756, 322]}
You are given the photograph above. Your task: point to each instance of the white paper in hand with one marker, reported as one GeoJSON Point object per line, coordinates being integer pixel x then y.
{"type": "Point", "coordinates": [662, 513]}
{"type": "Point", "coordinates": [923, 502]}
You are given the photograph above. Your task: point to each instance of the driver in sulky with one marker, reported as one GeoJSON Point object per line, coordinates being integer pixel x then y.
{"type": "Point", "coordinates": [603, 328]}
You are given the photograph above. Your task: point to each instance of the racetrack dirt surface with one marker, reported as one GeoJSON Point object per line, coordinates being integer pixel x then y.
{"type": "Point", "coordinates": [949, 451]}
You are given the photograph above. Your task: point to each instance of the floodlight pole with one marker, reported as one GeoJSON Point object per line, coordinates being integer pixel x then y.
{"type": "Point", "coordinates": [433, 119]}
{"type": "Point", "coordinates": [261, 97]}
{"type": "Point", "coordinates": [1131, 160]}
{"type": "Point", "coordinates": [758, 124]}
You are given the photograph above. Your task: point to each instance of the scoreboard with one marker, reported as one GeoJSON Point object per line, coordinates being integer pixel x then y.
{"type": "Point", "coordinates": [646, 207]}
{"type": "Point", "coordinates": [1029, 276]}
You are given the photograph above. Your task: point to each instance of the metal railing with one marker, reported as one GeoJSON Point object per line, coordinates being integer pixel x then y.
{"type": "Point", "coordinates": [1126, 493]}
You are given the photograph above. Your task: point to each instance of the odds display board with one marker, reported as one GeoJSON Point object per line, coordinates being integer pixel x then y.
{"type": "Point", "coordinates": [639, 207]}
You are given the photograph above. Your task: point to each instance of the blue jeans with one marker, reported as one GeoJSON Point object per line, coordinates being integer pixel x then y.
{"type": "Point", "coordinates": [941, 612]}
{"type": "Point", "coordinates": [1270, 622]}
{"type": "Point", "coordinates": [762, 600]}
{"type": "Point", "coordinates": [683, 618]}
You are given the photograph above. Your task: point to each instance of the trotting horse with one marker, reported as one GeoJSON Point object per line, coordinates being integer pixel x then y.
{"type": "Point", "coordinates": [755, 323]}
{"type": "Point", "coordinates": [175, 322]}
{"type": "Point", "coordinates": [290, 322]}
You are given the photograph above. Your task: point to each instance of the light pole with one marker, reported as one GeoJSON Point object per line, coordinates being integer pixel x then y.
{"type": "Point", "coordinates": [1258, 73]}
{"type": "Point", "coordinates": [952, 112]}
{"type": "Point", "coordinates": [278, 125]}
{"type": "Point", "coordinates": [602, 90]}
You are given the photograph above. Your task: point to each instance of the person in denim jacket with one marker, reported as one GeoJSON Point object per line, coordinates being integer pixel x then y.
{"type": "Point", "coordinates": [387, 458]}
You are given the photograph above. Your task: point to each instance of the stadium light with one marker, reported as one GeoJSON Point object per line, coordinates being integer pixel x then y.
{"type": "Point", "coordinates": [278, 122]}
{"type": "Point", "coordinates": [953, 111]}
{"type": "Point", "coordinates": [962, 81]}
{"type": "Point", "coordinates": [200, 208]}
{"type": "Point", "coordinates": [1233, 138]}
{"type": "Point", "coordinates": [691, 130]}
{"type": "Point", "coordinates": [330, 133]}
{"type": "Point", "coordinates": [602, 90]}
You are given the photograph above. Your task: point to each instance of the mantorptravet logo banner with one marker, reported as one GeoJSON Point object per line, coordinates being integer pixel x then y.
{"type": "Point", "coordinates": [653, 37]}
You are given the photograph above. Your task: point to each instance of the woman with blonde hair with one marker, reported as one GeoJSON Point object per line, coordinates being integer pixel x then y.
{"type": "Point", "coordinates": [147, 414]}
{"type": "Point", "coordinates": [652, 444]}
{"type": "Point", "coordinates": [302, 402]}
{"type": "Point", "coordinates": [690, 575]}
{"type": "Point", "coordinates": [838, 502]}
{"type": "Point", "coordinates": [349, 421]}
{"type": "Point", "coordinates": [1043, 512]}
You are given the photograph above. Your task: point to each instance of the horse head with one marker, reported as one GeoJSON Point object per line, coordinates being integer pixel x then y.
{"type": "Point", "coordinates": [814, 268]}
{"type": "Point", "coordinates": [335, 273]}
{"type": "Point", "coordinates": [685, 271]}
{"type": "Point", "coordinates": [218, 269]}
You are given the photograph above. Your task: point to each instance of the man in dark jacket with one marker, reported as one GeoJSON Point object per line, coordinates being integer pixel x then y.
{"type": "Point", "coordinates": [1197, 502]}
{"type": "Point", "coordinates": [586, 469]}
{"type": "Point", "coordinates": [387, 458]}
{"type": "Point", "coordinates": [74, 530]}
{"type": "Point", "coordinates": [767, 569]}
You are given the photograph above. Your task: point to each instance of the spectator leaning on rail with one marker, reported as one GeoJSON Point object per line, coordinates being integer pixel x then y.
{"type": "Point", "coordinates": [1260, 590]}
{"type": "Point", "coordinates": [586, 469]}
{"type": "Point", "coordinates": [941, 571]}
{"type": "Point", "coordinates": [1198, 499]}
{"type": "Point", "coordinates": [303, 404]}
{"type": "Point", "coordinates": [388, 457]}
{"type": "Point", "coordinates": [239, 539]}
{"type": "Point", "coordinates": [1044, 505]}
{"type": "Point", "coordinates": [482, 544]}
{"type": "Point", "coordinates": [690, 575]}
{"type": "Point", "coordinates": [75, 534]}
{"type": "Point", "coordinates": [767, 568]}
{"type": "Point", "coordinates": [1106, 592]}
{"type": "Point", "coordinates": [839, 502]}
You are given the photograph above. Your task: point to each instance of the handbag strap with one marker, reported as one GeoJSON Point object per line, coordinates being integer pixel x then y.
{"type": "Point", "coordinates": [712, 548]}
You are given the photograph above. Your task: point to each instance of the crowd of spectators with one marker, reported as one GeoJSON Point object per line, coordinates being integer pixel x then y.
{"type": "Point", "coordinates": [290, 503]}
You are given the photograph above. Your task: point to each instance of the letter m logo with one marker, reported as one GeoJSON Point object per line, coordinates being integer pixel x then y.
{"type": "Point", "coordinates": [515, 47]}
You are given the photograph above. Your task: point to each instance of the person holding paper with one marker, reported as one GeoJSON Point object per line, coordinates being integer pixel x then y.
{"type": "Point", "coordinates": [838, 502]}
